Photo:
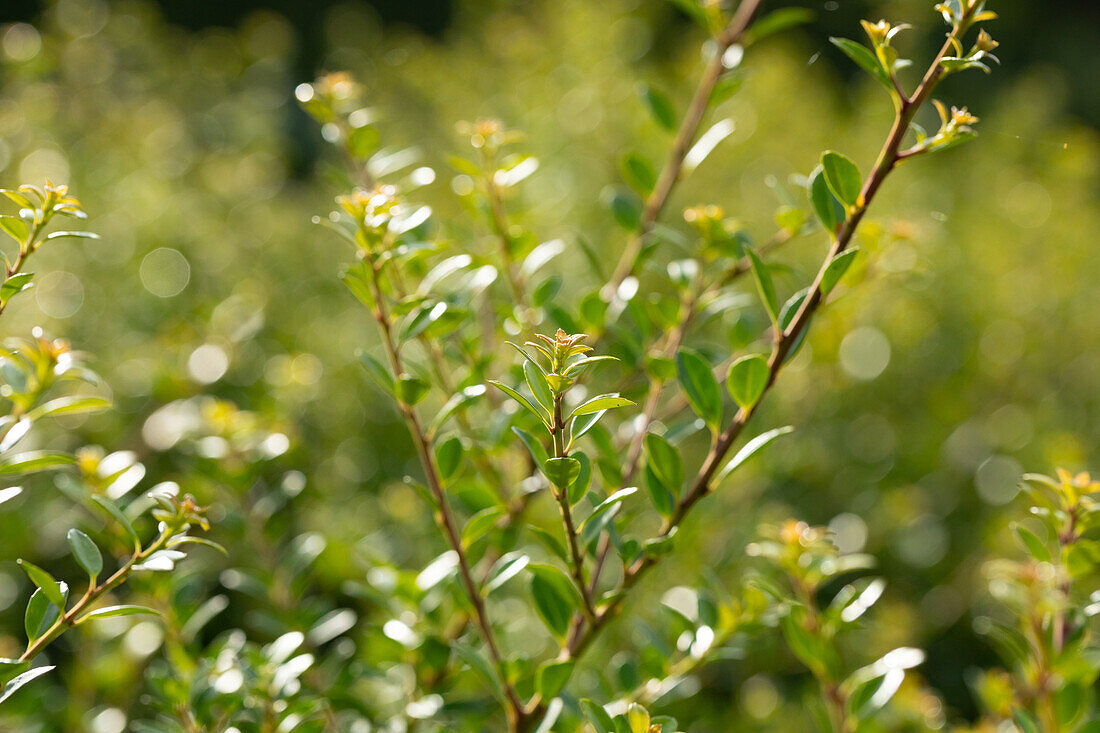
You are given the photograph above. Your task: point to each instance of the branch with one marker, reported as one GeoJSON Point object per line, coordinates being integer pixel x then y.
{"type": "Point", "coordinates": [700, 101]}
{"type": "Point", "coordinates": [444, 516]}
{"type": "Point", "coordinates": [785, 341]}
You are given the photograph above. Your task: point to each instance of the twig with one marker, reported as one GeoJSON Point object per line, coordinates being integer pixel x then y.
{"type": "Point", "coordinates": [444, 515]}
{"type": "Point", "coordinates": [689, 127]}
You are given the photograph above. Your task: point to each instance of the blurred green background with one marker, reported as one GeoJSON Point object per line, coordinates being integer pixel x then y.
{"type": "Point", "coordinates": [968, 355]}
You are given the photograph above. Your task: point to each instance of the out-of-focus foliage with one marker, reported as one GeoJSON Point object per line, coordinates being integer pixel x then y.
{"type": "Point", "coordinates": [211, 307]}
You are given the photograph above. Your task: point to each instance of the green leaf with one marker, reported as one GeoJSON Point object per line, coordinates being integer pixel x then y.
{"type": "Point", "coordinates": [14, 285]}
{"type": "Point", "coordinates": [86, 553]}
{"type": "Point", "coordinates": [749, 450]}
{"type": "Point", "coordinates": [600, 402]}
{"type": "Point", "coordinates": [700, 387]}
{"type": "Point", "coordinates": [865, 59]}
{"type": "Point", "coordinates": [836, 269]}
{"type": "Point", "coordinates": [583, 423]}
{"type": "Point", "coordinates": [540, 388]}
{"type": "Point", "coordinates": [637, 718]}
{"type": "Point", "coordinates": [658, 546]}
{"type": "Point", "coordinates": [363, 141]}
{"type": "Point", "coordinates": [764, 285]}
{"type": "Point", "coordinates": [19, 680]}
{"type": "Point", "coordinates": [448, 457]}
{"type": "Point", "coordinates": [626, 208]}
{"type": "Point", "coordinates": [19, 198]}
{"type": "Point", "coordinates": [1031, 542]}
{"type": "Point", "coordinates": [842, 176]}
{"type": "Point", "coordinates": [41, 613]}
{"type": "Point", "coordinates": [39, 460]}
{"type": "Point", "coordinates": [777, 21]}
{"type": "Point", "coordinates": [378, 373]}
{"type": "Point", "coordinates": [829, 211]}
{"type": "Point", "coordinates": [481, 523]}
{"type": "Point", "coordinates": [660, 108]}
{"type": "Point", "coordinates": [111, 508]}
{"type": "Point", "coordinates": [202, 541]}
{"type": "Point", "coordinates": [607, 504]}
{"type": "Point", "coordinates": [44, 581]}
{"type": "Point", "coordinates": [747, 380]}
{"type": "Point", "coordinates": [455, 403]}
{"type": "Point", "coordinates": [638, 173]}
{"type": "Point", "coordinates": [540, 414]}
{"type": "Point", "coordinates": [112, 611]}
{"type": "Point", "coordinates": [579, 486]}
{"type": "Point", "coordinates": [484, 669]}
{"type": "Point", "coordinates": [1026, 721]}
{"type": "Point", "coordinates": [665, 462]}
{"type": "Point", "coordinates": [661, 496]}
{"type": "Point", "coordinates": [69, 405]}
{"type": "Point", "coordinates": [410, 390]}
{"type": "Point", "coordinates": [561, 471]}
{"type": "Point", "coordinates": [597, 716]}
{"type": "Point", "coordinates": [72, 235]}
{"type": "Point", "coordinates": [552, 677]}
{"type": "Point", "coordinates": [15, 228]}
{"type": "Point", "coordinates": [534, 447]}
{"type": "Point", "coordinates": [555, 596]}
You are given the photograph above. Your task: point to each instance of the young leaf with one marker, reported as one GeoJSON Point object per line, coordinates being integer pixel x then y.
{"type": "Point", "coordinates": [865, 59]}
{"type": "Point", "coordinates": [659, 107]}
{"type": "Point", "coordinates": [747, 379]}
{"type": "Point", "coordinates": [763, 277]}
{"type": "Point", "coordinates": [836, 269]}
{"type": "Point", "coordinates": [552, 677]}
{"type": "Point", "coordinates": [540, 414]}
{"type": "Point", "coordinates": [665, 462]}
{"type": "Point", "coordinates": [561, 471]}
{"type": "Point", "coordinates": [601, 402]}
{"type": "Point", "coordinates": [556, 598]}
{"type": "Point", "coordinates": [842, 176]}
{"type": "Point", "coordinates": [86, 553]}
{"type": "Point", "coordinates": [45, 582]}
{"type": "Point", "coordinates": [700, 387]}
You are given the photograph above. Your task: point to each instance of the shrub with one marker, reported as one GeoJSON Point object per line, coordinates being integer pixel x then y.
{"type": "Point", "coordinates": [536, 404]}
